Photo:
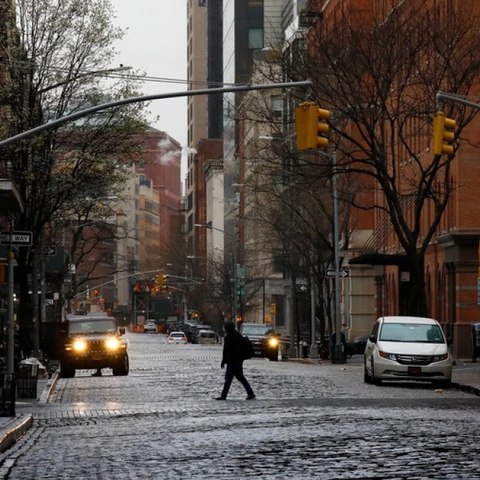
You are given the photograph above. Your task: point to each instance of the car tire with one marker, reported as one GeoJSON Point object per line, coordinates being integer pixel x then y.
{"type": "Point", "coordinates": [274, 358]}
{"type": "Point", "coordinates": [122, 367]}
{"type": "Point", "coordinates": [375, 381]}
{"type": "Point", "coordinates": [366, 376]}
{"type": "Point", "coordinates": [66, 370]}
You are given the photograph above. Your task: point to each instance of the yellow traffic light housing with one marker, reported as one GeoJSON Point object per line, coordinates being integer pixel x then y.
{"type": "Point", "coordinates": [310, 126]}
{"type": "Point", "coordinates": [161, 279]}
{"type": "Point", "coordinates": [322, 129]}
{"type": "Point", "coordinates": [443, 134]}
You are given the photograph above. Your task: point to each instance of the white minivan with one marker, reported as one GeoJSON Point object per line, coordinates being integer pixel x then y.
{"type": "Point", "coordinates": [407, 348]}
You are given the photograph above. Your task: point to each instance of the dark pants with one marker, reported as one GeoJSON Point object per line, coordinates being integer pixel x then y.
{"type": "Point", "coordinates": [235, 370]}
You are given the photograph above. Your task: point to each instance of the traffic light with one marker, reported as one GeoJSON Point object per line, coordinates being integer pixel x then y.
{"type": "Point", "coordinates": [161, 279]}
{"type": "Point", "coordinates": [311, 126]}
{"type": "Point", "coordinates": [273, 309]}
{"type": "Point", "coordinates": [443, 134]}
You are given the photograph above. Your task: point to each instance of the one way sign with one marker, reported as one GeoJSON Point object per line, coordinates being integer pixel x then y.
{"type": "Point", "coordinates": [18, 238]}
{"type": "Point", "coordinates": [341, 273]}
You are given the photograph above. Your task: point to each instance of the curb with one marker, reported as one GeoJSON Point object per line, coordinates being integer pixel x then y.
{"type": "Point", "coordinates": [24, 423]}
{"type": "Point", "coordinates": [49, 387]}
{"type": "Point", "coordinates": [466, 388]}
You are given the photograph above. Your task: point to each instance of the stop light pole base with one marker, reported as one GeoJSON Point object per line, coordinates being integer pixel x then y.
{"type": "Point", "coordinates": [338, 355]}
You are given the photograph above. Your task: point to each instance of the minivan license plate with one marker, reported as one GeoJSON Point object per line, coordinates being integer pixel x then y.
{"type": "Point", "coordinates": [414, 370]}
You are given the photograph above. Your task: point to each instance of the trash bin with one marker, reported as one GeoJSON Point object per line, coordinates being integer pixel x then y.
{"type": "Point", "coordinates": [27, 380]}
{"type": "Point", "coordinates": [475, 341]}
{"type": "Point", "coordinates": [7, 394]}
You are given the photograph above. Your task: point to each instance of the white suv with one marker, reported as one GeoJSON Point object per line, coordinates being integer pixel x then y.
{"type": "Point", "coordinates": [407, 348]}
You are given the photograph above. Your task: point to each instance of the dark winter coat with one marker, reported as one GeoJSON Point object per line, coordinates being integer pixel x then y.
{"type": "Point", "coordinates": [232, 348]}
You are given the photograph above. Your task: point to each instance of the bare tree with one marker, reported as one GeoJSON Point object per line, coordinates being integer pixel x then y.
{"type": "Point", "coordinates": [55, 55]}
{"type": "Point", "coordinates": [379, 77]}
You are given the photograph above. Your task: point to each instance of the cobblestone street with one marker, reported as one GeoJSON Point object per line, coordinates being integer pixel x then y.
{"type": "Point", "coordinates": [309, 422]}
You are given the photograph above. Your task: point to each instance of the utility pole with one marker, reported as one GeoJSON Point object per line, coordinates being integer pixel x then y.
{"type": "Point", "coordinates": [337, 349]}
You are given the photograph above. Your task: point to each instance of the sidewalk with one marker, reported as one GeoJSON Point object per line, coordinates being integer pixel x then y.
{"type": "Point", "coordinates": [466, 377]}
{"type": "Point", "coordinates": [12, 428]}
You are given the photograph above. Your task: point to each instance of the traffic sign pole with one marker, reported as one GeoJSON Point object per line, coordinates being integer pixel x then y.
{"type": "Point", "coordinates": [337, 350]}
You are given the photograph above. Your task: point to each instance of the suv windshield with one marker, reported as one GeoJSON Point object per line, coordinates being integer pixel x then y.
{"type": "Point", "coordinates": [257, 330]}
{"type": "Point", "coordinates": [101, 326]}
{"type": "Point", "coordinates": [413, 333]}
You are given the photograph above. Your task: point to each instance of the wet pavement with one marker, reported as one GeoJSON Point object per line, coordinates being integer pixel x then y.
{"type": "Point", "coordinates": [308, 413]}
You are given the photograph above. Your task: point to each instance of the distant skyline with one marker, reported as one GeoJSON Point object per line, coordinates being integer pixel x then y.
{"type": "Point", "coordinates": [156, 44]}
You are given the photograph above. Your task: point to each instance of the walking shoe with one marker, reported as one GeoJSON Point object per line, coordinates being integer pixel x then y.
{"type": "Point", "coordinates": [251, 397]}
{"type": "Point", "coordinates": [220, 398]}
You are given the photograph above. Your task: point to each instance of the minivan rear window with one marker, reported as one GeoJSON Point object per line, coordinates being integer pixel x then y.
{"type": "Point", "coordinates": [411, 333]}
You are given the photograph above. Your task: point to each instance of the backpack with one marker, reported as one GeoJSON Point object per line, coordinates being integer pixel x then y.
{"type": "Point", "coordinates": [247, 348]}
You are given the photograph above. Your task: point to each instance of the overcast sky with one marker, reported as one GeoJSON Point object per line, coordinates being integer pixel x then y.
{"type": "Point", "coordinates": [156, 43]}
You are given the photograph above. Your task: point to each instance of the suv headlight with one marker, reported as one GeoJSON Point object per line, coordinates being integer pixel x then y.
{"type": "Point", "coordinates": [79, 345]}
{"type": "Point", "coordinates": [388, 356]}
{"type": "Point", "coordinates": [273, 342]}
{"type": "Point", "coordinates": [112, 343]}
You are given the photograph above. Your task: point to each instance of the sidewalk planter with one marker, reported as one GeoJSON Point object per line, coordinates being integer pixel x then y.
{"type": "Point", "coordinates": [7, 394]}
{"type": "Point", "coordinates": [27, 380]}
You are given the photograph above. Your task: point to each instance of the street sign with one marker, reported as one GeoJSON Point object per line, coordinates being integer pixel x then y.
{"type": "Point", "coordinates": [341, 273]}
{"type": "Point", "coordinates": [50, 251]}
{"type": "Point", "coordinates": [23, 239]}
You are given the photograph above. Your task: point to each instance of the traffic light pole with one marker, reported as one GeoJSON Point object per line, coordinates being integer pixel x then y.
{"type": "Point", "coordinates": [454, 98]}
{"type": "Point", "coordinates": [337, 349]}
{"type": "Point", "coordinates": [148, 98]}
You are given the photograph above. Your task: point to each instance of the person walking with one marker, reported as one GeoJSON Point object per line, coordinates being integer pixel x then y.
{"type": "Point", "coordinates": [233, 358]}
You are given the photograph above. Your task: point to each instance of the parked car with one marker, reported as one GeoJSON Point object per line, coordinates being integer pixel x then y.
{"type": "Point", "coordinates": [196, 329]}
{"type": "Point", "coordinates": [358, 344]}
{"type": "Point", "coordinates": [177, 337]}
{"type": "Point", "coordinates": [206, 336]}
{"type": "Point", "coordinates": [407, 348]}
{"type": "Point", "coordinates": [150, 326]}
{"type": "Point", "coordinates": [264, 339]}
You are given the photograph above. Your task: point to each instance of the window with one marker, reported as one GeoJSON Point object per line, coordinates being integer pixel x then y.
{"type": "Point", "coordinates": [277, 106]}
{"type": "Point", "coordinates": [255, 24]}
{"type": "Point", "coordinates": [255, 38]}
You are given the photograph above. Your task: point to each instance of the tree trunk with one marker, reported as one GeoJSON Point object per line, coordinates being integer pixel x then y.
{"type": "Point", "coordinates": [417, 298]}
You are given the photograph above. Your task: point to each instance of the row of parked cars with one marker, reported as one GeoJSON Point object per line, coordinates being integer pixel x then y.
{"type": "Point", "coordinates": [185, 332]}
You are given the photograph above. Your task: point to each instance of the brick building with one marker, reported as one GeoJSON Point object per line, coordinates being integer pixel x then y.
{"type": "Point", "coordinates": [451, 255]}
